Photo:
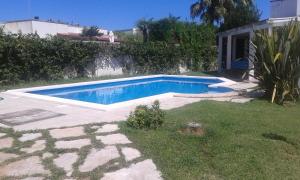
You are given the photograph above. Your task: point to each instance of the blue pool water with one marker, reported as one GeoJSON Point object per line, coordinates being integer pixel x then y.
{"type": "Point", "coordinates": [120, 91]}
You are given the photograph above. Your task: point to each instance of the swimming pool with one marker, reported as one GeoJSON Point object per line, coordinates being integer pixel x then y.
{"type": "Point", "coordinates": [111, 92]}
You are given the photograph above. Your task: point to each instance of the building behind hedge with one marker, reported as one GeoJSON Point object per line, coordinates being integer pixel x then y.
{"type": "Point", "coordinates": [44, 27]}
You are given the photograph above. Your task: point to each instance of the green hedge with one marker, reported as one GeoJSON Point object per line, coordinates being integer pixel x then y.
{"type": "Point", "coordinates": [26, 58]}
{"type": "Point", "coordinates": [160, 57]}
{"type": "Point", "coordinates": [29, 57]}
{"type": "Point", "coordinates": [151, 58]}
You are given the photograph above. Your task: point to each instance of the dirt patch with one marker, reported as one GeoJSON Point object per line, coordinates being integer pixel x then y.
{"type": "Point", "coordinates": [192, 129]}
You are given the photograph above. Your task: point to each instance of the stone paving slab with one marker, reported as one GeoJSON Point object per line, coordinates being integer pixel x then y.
{"type": "Point", "coordinates": [6, 156]}
{"type": "Point", "coordinates": [2, 134]}
{"type": "Point", "coordinates": [47, 155]}
{"type": "Point", "coordinates": [66, 162]}
{"type": "Point", "coordinates": [113, 139]}
{"type": "Point", "coordinates": [130, 153]}
{"type": "Point", "coordinates": [24, 167]}
{"type": "Point", "coordinates": [6, 142]}
{"type": "Point", "coordinates": [73, 144]}
{"type": "Point", "coordinates": [30, 136]}
{"type": "Point", "coordinates": [34, 178]}
{"type": "Point", "coordinates": [98, 158]}
{"type": "Point", "coordinates": [67, 132]}
{"type": "Point", "coordinates": [107, 128]}
{"type": "Point", "coordinates": [145, 170]}
{"type": "Point", "coordinates": [37, 146]}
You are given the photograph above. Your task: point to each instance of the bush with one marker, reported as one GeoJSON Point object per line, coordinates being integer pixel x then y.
{"type": "Point", "coordinates": [144, 117]}
{"type": "Point", "coordinates": [277, 62]}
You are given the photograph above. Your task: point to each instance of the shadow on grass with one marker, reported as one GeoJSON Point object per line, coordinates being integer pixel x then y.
{"type": "Point", "coordinates": [278, 137]}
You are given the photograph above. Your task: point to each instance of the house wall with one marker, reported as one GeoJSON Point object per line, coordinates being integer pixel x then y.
{"type": "Point", "coordinates": [285, 8]}
{"type": "Point", "coordinates": [16, 27]}
{"type": "Point", "coordinates": [45, 28]}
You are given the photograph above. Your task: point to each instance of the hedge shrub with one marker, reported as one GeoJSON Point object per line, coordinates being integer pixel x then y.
{"type": "Point", "coordinates": [29, 58]}
{"type": "Point", "coordinates": [151, 57]}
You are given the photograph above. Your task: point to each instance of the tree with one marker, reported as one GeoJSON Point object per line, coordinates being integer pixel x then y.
{"type": "Point", "coordinates": [211, 11]}
{"type": "Point", "coordinates": [246, 13]}
{"type": "Point", "coordinates": [91, 31]}
{"type": "Point", "coordinates": [144, 26]}
{"type": "Point", "coordinates": [165, 29]}
{"type": "Point", "coordinates": [196, 43]}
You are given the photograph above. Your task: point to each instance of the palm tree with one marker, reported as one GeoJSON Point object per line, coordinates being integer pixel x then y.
{"type": "Point", "coordinates": [211, 11]}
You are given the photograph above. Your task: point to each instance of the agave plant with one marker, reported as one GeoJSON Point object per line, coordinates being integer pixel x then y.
{"type": "Point", "coordinates": [277, 62]}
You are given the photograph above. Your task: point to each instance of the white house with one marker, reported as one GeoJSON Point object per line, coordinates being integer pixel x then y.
{"type": "Point", "coordinates": [233, 44]}
{"type": "Point", "coordinates": [43, 28]}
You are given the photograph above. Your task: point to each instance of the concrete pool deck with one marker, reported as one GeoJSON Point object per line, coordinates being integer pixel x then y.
{"type": "Point", "coordinates": [86, 140]}
{"type": "Point", "coordinates": [74, 115]}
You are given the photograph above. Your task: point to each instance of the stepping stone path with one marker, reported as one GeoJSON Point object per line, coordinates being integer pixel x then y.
{"type": "Point", "coordinates": [6, 142]}
{"type": "Point", "coordinates": [30, 136]}
{"type": "Point", "coordinates": [76, 155]}
{"type": "Point", "coordinates": [37, 146]}
{"type": "Point", "coordinates": [74, 144]}
{"type": "Point", "coordinates": [66, 162]}
{"type": "Point", "coordinates": [113, 139]}
{"type": "Point", "coordinates": [6, 156]}
{"type": "Point", "coordinates": [30, 166]}
{"type": "Point", "coordinates": [108, 128]}
{"type": "Point", "coordinates": [130, 153]}
{"type": "Point", "coordinates": [67, 132]}
{"type": "Point", "coordinates": [98, 158]}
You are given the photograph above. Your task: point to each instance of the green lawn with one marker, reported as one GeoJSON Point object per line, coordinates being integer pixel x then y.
{"type": "Point", "coordinates": [237, 144]}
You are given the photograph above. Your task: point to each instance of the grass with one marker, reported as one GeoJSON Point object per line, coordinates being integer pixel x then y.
{"type": "Point", "coordinates": [84, 79]}
{"type": "Point", "coordinates": [256, 140]}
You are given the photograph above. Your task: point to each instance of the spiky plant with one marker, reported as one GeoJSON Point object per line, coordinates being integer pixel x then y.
{"type": "Point", "coordinates": [277, 62]}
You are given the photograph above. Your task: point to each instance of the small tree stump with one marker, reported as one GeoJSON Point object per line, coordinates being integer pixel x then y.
{"type": "Point", "coordinates": [193, 128]}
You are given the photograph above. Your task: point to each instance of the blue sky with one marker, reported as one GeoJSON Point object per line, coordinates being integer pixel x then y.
{"type": "Point", "coordinates": [112, 15]}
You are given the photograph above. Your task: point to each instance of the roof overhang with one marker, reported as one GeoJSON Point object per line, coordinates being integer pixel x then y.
{"type": "Point", "coordinates": [264, 24]}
